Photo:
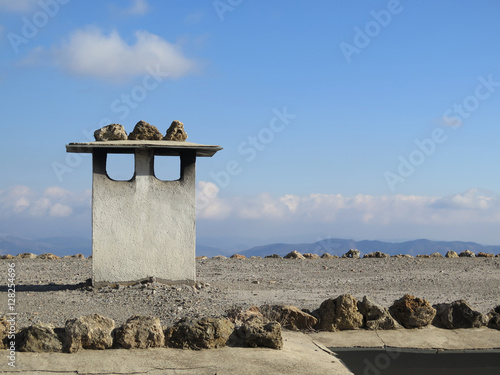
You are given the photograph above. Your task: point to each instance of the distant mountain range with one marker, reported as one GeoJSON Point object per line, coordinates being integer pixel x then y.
{"type": "Point", "coordinates": [59, 246]}
{"type": "Point", "coordinates": [72, 245]}
{"type": "Point", "coordinates": [337, 246]}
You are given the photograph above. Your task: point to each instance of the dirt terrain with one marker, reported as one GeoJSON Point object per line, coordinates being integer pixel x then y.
{"type": "Point", "coordinates": [52, 291]}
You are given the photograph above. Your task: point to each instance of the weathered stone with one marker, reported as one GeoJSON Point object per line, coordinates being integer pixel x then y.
{"type": "Point", "coordinates": [467, 254]}
{"type": "Point", "coordinates": [255, 257]}
{"type": "Point", "coordinates": [26, 256]}
{"type": "Point", "coordinates": [376, 254]}
{"type": "Point", "coordinates": [291, 317]}
{"type": "Point", "coordinates": [49, 256]}
{"type": "Point", "coordinates": [206, 333]}
{"type": "Point", "coordinates": [274, 256]}
{"type": "Point", "coordinates": [257, 334]}
{"type": "Point", "coordinates": [219, 257]}
{"type": "Point", "coordinates": [202, 257]}
{"type": "Point", "coordinates": [352, 253]}
{"type": "Point", "coordinates": [8, 256]}
{"type": "Point", "coordinates": [436, 255]}
{"type": "Point", "coordinates": [329, 256]}
{"type": "Point", "coordinates": [424, 256]}
{"type": "Point", "coordinates": [145, 131]}
{"type": "Point", "coordinates": [78, 256]}
{"type": "Point", "coordinates": [485, 255]}
{"type": "Point", "coordinates": [311, 256]}
{"type": "Point", "coordinates": [412, 312]}
{"type": "Point", "coordinates": [4, 331]}
{"type": "Point", "coordinates": [40, 338]}
{"type": "Point", "coordinates": [340, 313]}
{"type": "Point", "coordinates": [112, 132]}
{"type": "Point", "coordinates": [457, 314]}
{"type": "Point", "coordinates": [294, 255]}
{"type": "Point", "coordinates": [240, 317]}
{"type": "Point", "coordinates": [176, 132]}
{"type": "Point", "coordinates": [140, 332]}
{"type": "Point", "coordinates": [89, 332]}
{"type": "Point", "coordinates": [238, 256]}
{"type": "Point", "coordinates": [376, 316]}
{"type": "Point", "coordinates": [451, 254]}
{"type": "Point", "coordinates": [494, 318]}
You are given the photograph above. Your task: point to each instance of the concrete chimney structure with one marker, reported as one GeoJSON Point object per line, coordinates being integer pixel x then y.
{"type": "Point", "coordinates": [145, 227]}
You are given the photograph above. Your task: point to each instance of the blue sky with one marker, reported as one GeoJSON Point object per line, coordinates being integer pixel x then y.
{"type": "Point", "coordinates": [361, 119]}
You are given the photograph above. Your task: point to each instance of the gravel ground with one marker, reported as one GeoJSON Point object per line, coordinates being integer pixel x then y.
{"type": "Point", "coordinates": [52, 291]}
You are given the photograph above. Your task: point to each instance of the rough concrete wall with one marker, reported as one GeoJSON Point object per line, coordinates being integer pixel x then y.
{"type": "Point", "coordinates": [144, 227]}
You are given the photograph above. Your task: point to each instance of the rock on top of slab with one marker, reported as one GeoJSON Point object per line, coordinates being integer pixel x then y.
{"type": "Point", "coordinates": [144, 131]}
{"type": "Point", "coordinates": [112, 132]}
{"type": "Point", "coordinates": [176, 132]}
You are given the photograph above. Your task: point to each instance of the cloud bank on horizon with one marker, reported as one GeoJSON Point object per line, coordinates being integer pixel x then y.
{"type": "Point", "coordinates": [324, 212]}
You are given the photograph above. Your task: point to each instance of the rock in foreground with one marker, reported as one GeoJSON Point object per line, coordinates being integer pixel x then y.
{"type": "Point", "coordinates": [412, 312]}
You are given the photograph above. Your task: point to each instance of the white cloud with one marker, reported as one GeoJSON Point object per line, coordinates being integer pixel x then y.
{"type": "Point", "coordinates": [20, 6]}
{"type": "Point", "coordinates": [22, 201]}
{"type": "Point", "coordinates": [91, 52]}
{"type": "Point", "coordinates": [471, 206]}
{"type": "Point", "coordinates": [60, 210]}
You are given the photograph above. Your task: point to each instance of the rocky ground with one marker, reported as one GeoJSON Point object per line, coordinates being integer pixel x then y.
{"type": "Point", "coordinates": [52, 291]}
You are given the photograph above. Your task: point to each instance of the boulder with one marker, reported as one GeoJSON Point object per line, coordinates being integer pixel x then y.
{"type": "Point", "coordinates": [219, 257]}
{"type": "Point", "coordinates": [8, 256]}
{"type": "Point", "coordinates": [49, 256]}
{"type": "Point", "coordinates": [311, 256]}
{"type": "Point", "coordinates": [274, 256]}
{"type": "Point", "coordinates": [238, 317]}
{"type": "Point", "coordinates": [375, 316]}
{"type": "Point", "coordinates": [78, 256]}
{"type": "Point", "coordinates": [457, 314]}
{"type": "Point", "coordinates": [329, 256]}
{"type": "Point", "coordinates": [145, 131]}
{"type": "Point", "coordinates": [451, 254]}
{"type": "Point", "coordinates": [352, 253]}
{"type": "Point", "coordinates": [376, 254]}
{"type": "Point", "coordinates": [140, 332]}
{"type": "Point", "coordinates": [255, 257]}
{"type": "Point", "coordinates": [113, 132]}
{"type": "Point", "coordinates": [294, 255]}
{"type": "Point", "coordinates": [4, 331]}
{"type": "Point", "coordinates": [340, 313]}
{"type": "Point", "coordinates": [176, 132]}
{"type": "Point", "coordinates": [290, 317]}
{"type": "Point", "coordinates": [26, 256]}
{"type": "Point", "coordinates": [89, 332]}
{"type": "Point", "coordinates": [206, 333]}
{"type": "Point", "coordinates": [202, 257]}
{"type": "Point", "coordinates": [412, 312]}
{"type": "Point", "coordinates": [258, 334]}
{"type": "Point", "coordinates": [494, 318]}
{"type": "Point", "coordinates": [238, 256]}
{"type": "Point", "coordinates": [436, 255]}
{"type": "Point", "coordinates": [424, 256]}
{"type": "Point", "coordinates": [485, 255]}
{"type": "Point", "coordinates": [467, 254]}
{"type": "Point", "coordinates": [40, 338]}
